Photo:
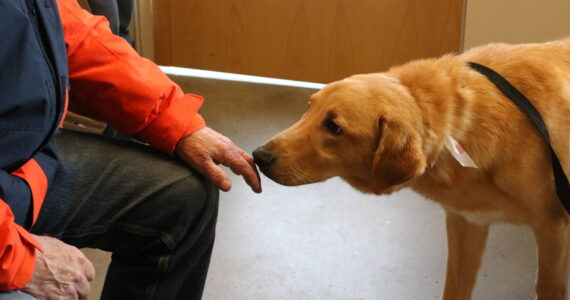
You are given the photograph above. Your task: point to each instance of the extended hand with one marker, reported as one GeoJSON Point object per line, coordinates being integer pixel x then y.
{"type": "Point", "coordinates": [62, 271]}
{"type": "Point", "coordinates": [206, 148]}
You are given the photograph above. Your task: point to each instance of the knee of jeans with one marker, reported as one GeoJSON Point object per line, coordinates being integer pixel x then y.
{"type": "Point", "coordinates": [196, 201]}
{"type": "Point", "coordinates": [198, 189]}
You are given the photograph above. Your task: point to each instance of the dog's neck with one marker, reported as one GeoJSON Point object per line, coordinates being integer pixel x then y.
{"type": "Point", "coordinates": [441, 88]}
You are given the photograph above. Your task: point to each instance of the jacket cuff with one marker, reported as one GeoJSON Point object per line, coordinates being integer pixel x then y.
{"type": "Point", "coordinates": [27, 268]}
{"type": "Point", "coordinates": [197, 123]}
{"type": "Point", "coordinates": [18, 252]}
{"type": "Point", "coordinates": [171, 125]}
{"type": "Point", "coordinates": [35, 177]}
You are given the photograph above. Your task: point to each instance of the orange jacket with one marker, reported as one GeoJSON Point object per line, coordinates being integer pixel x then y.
{"type": "Point", "coordinates": [109, 81]}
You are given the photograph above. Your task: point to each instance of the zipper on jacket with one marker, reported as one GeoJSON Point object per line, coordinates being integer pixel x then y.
{"type": "Point", "coordinates": [35, 22]}
{"type": "Point", "coordinates": [31, 4]}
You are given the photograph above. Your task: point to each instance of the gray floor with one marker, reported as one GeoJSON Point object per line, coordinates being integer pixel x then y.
{"type": "Point", "coordinates": [327, 241]}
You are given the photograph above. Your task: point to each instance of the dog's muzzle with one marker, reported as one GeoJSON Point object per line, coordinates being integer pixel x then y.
{"type": "Point", "coordinates": [263, 158]}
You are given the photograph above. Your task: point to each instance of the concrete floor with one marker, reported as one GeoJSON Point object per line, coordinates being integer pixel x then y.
{"type": "Point", "coordinates": [325, 240]}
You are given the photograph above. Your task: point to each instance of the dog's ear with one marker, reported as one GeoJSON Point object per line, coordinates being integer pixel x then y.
{"type": "Point", "coordinates": [399, 156]}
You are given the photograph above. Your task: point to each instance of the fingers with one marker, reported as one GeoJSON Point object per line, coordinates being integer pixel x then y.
{"type": "Point", "coordinates": [215, 174]}
{"type": "Point", "coordinates": [83, 272]}
{"type": "Point", "coordinates": [87, 266]}
{"type": "Point", "coordinates": [241, 164]}
{"type": "Point", "coordinates": [83, 287]}
{"type": "Point", "coordinates": [251, 175]}
{"type": "Point", "coordinates": [62, 271]}
{"type": "Point", "coordinates": [205, 148]}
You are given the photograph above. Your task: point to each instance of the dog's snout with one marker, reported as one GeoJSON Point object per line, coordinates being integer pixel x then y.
{"type": "Point", "coordinates": [262, 157]}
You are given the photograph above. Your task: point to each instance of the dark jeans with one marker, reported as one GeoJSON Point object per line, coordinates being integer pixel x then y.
{"type": "Point", "coordinates": [154, 214]}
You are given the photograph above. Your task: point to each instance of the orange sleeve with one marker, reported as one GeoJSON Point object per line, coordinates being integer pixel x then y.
{"type": "Point", "coordinates": [111, 82]}
{"type": "Point", "coordinates": [17, 245]}
{"type": "Point", "coordinates": [31, 172]}
{"type": "Point", "coordinates": [17, 252]}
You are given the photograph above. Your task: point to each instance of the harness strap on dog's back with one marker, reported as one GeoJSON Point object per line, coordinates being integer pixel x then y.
{"type": "Point", "coordinates": [560, 179]}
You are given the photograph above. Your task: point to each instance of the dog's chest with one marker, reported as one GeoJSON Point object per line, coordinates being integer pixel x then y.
{"type": "Point", "coordinates": [477, 206]}
{"type": "Point", "coordinates": [466, 193]}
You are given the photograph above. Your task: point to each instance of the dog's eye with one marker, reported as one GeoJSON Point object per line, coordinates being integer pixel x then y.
{"type": "Point", "coordinates": [333, 128]}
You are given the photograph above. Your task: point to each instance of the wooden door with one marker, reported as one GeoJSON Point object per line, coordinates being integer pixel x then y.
{"type": "Point", "coordinates": [310, 40]}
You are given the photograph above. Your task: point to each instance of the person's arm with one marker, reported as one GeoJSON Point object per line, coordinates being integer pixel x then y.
{"type": "Point", "coordinates": [22, 192]}
{"type": "Point", "coordinates": [17, 255]}
{"type": "Point", "coordinates": [111, 82]}
{"type": "Point", "coordinates": [41, 266]}
{"type": "Point", "coordinates": [61, 271]}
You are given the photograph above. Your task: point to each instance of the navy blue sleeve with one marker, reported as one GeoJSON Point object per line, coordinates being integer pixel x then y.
{"type": "Point", "coordinates": [15, 192]}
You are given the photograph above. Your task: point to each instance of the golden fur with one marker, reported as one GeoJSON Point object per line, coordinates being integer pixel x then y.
{"type": "Point", "coordinates": [393, 129]}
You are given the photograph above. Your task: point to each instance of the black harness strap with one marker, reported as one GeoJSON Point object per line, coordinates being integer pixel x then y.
{"type": "Point", "coordinates": [560, 179]}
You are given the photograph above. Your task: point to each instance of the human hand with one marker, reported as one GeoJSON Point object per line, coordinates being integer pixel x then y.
{"type": "Point", "coordinates": [205, 149]}
{"type": "Point", "coordinates": [62, 272]}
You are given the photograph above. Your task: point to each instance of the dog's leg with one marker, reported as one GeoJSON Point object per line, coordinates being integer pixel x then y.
{"type": "Point", "coordinates": [466, 243]}
{"type": "Point", "coordinates": [552, 244]}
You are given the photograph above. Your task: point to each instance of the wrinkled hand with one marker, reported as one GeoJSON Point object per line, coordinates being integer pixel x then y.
{"type": "Point", "coordinates": [62, 272]}
{"type": "Point", "coordinates": [205, 149]}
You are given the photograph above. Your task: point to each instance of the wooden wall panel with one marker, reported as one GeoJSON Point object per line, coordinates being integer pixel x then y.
{"type": "Point", "coordinates": [311, 40]}
{"type": "Point", "coordinates": [162, 26]}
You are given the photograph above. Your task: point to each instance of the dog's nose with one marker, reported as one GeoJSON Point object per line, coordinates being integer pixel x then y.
{"type": "Point", "coordinates": [262, 157]}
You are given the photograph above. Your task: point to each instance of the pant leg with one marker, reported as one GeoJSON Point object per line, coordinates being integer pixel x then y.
{"type": "Point", "coordinates": [154, 214]}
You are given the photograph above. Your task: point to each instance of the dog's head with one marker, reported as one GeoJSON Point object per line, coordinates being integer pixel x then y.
{"type": "Point", "coordinates": [365, 129]}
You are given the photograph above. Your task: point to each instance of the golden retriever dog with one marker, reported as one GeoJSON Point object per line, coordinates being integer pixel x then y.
{"type": "Point", "coordinates": [386, 131]}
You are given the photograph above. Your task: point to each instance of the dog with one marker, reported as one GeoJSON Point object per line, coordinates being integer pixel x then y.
{"type": "Point", "coordinates": [386, 131]}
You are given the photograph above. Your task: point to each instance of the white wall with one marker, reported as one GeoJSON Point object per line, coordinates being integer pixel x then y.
{"type": "Point", "coordinates": [515, 21]}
